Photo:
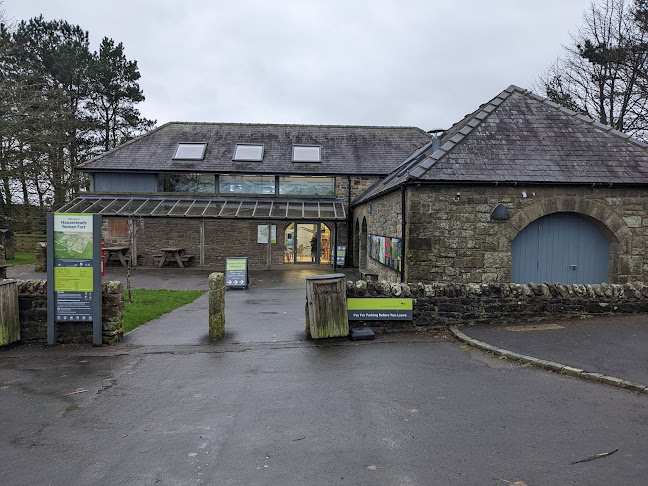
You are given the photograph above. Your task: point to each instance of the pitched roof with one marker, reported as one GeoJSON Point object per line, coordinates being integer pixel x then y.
{"type": "Point", "coordinates": [345, 149]}
{"type": "Point", "coordinates": [519, 137]}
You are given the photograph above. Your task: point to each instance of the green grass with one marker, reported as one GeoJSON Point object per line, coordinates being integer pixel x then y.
{"type": "Point", "coordinates": [21, 258]}
{"type": "Point", "coordinates": [151, 304]}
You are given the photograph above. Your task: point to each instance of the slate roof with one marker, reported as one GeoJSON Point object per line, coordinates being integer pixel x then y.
{"type": "Point", "coordinates": [345, 149]}
{"type": "Point", "coordinates": [519, 137]}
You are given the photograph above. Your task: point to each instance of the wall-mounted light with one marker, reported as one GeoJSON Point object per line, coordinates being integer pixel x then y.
{"type": "Point", "coordinates": [457, 196]}
{"type": "Point", "coordinates": [500, 213]}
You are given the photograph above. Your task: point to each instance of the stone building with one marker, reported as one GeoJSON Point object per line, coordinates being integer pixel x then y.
{"type": "Point", "coordinates": [213, 189]}
{"type": "Point", "coordinates": [522, 190]}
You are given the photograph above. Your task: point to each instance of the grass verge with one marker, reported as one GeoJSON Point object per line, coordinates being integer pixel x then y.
{"type": "Point", "coordinates": [21, 258]}
{"type": "Point", "coordinates": [151, 304]}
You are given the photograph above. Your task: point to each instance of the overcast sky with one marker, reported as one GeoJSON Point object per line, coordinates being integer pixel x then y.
{"type": "Point", "coordinates": [423, 63]}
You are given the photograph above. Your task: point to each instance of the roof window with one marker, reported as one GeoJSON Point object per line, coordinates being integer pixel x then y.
{"type": "Point", "coordinates": [190, 151]}
{"type": "Point", "coordinates": [248, 152]}
{"type": "Point", "coordinates": [306, 153]}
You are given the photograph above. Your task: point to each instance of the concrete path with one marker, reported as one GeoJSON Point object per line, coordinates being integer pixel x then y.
{"type": "Point", "coordinates": [270, 310]}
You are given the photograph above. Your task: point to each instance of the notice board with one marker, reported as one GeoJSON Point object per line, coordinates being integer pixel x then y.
{"type": "Point", "coordinates": [236, 272]}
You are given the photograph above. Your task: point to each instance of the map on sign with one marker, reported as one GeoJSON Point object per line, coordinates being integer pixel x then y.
{"type": "Point", "coordinates": [73, 245]}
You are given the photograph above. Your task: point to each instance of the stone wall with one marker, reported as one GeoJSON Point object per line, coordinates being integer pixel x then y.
{"type": "Point", "coordinates": [451, 237]}
{"type": "Point", "coordinates": [32, 303]}
{"type": "Point", "coordinates": [445, 304]}
{"type": "Point", "coordinates": [384, 219]}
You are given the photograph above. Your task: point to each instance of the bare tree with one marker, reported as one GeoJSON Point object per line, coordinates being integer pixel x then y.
{"type": "Point", "coordinates": [603, 71]}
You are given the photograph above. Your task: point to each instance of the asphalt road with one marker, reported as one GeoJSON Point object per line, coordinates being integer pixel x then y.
{"type": "Point", "coordinates": [393, 411]}
{"type": "Point", "coordinates": [266, 407]}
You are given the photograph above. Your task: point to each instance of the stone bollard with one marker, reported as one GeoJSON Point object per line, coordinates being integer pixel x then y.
{"type": "Point", "coordinates": [216, 306]}
{"type": "Point", "coordinates": [41, 257]}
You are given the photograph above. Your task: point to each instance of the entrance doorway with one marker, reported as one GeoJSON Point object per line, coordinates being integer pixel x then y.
{"type": "Point", "coordinates": [307, 243]}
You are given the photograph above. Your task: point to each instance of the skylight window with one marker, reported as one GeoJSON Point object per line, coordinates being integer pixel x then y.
{"type": "Point", "coordinates": [190, 151]}
{"type": "Point", "coordinates": [248, 152]}
{"type": "Point", "coordinates": [307, 153]}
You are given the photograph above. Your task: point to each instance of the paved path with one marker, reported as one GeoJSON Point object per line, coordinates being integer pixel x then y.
{"type": "Point", "coordinates": [270, 310]}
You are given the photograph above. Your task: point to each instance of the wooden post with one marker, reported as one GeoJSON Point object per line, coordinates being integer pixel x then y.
{"type": "Point", "coordinates": [326, 306]}
{"type": "Point", "coordinates": [9, 319]}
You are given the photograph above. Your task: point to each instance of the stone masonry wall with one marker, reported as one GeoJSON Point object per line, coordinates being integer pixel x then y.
{"type": "Point", "coordinates": [452, 238]}
{"type": "Point", "coordinates": [445, 304]}
{"type": "Point", "coordinates": [384, 219]}
{"type": "Point", "coordinates": [32, 304]}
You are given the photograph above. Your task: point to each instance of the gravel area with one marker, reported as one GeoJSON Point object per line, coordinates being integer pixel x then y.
{"type": "Point", "coordinates": [15, 271]}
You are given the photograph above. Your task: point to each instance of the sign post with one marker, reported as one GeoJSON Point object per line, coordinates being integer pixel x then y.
{"type": "Point", "coordinates": [379, 309]}
{"type": "Point", "coordinates": [236, 273]}
{"type": "Point", "coordinates": [74, 272]}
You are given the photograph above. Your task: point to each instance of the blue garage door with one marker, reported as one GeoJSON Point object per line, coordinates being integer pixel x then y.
{"type": "Point", "coordinates": [560, 248]}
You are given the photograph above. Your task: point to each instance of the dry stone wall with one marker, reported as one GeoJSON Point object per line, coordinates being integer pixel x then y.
{"type": "Point", "coordinates": [444, 304]}
{"type": "Point", "coordinates": [32, 305]}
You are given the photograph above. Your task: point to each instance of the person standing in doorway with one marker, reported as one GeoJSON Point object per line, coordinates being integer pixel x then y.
{"type": "Point", "coordinates": [313, 243]}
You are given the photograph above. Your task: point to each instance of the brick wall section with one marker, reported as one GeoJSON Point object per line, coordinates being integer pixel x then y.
{"type": "Point", "coordinates": [446, 304]}
{"type": "Point", "coordinates": [453, 239]}
{"type": "Point", "coordinates": [32, 304]}
{"type": "Point", "coordinates": [384, 220]}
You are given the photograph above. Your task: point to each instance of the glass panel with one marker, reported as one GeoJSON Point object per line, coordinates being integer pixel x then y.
{"type": "Point", "coordinates": [326, 210]}
{"type": "Point", "coordinates": [190, 151]}
{"type": "Point", "coordinates": [339, 208]}
{"type": "Point", "coordinates": [325, 244]}
{"type": "Point", "coordinates": [100, 205]}
{"type": "Point", "coordinates": [279, 209]}
{"type": "Point", "coordinates": [310, 186]}
{"type": "Point", "coordinates": [230, 209]}
{"type": "Point", "coordinates": [246, 210]}
{"type": "Point", "coordinates": [248, 152]}
{"type": "Point", "coordinates": [310, 210]}
{"type": "Point", "coordinates": [262, 209]}
{"type": "Point", "coordinates": [246, 184]}
{"type": "Point", "coordinates": [214, 208]}
{"type": "Point", "coordinates": [196, 183]}
{"type": "Point", "coordinates": [115, 206]}
{"type": "Point", "coordinates": [131, 206]}
{"type": "Point", "coordinates": [147, 207]}
{"type": "Point", "coordinates": [77, 206]}
{"type": "Point", "coordinates": [165, 207]}
{"type": "Point", "coordinates": [198, 208]}
{"type": "Point", "coordinates": [307, 153]}
{"type": "Point", "coordinates": [295, 210]}
{"type": "Point", "coordinates": [289, 243]}
{"type": "Point", "coordinates": [181, 208]}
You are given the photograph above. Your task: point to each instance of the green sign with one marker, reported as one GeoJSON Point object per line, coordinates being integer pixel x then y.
{"type": "Point", "coordinates": [73, 266]}
{"type": "Point", "coordinates": [379, 309]}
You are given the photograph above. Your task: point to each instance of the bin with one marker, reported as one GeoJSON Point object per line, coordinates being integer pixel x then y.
{"type": "Point", "coordinates": [326, 306]}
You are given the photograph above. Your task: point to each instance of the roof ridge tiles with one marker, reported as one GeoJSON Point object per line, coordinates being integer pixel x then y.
{"type": "Point", "coordinates": [296, 125]}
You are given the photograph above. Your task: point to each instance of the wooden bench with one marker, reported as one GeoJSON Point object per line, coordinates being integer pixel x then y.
{"type": "Point", "coordinates": [367, 276]}
{"type": "Point", "coordinates": [158, 257]}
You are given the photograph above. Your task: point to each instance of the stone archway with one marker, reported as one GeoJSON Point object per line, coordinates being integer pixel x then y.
{"type": "Point", "coordinates": [608, 221]}
{"type": "Point", "coordinates": [362, 244]}
{"type": "Point", "coordinates": [356, 244]}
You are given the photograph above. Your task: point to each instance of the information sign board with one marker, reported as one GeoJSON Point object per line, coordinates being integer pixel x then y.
{"type": "Point", "coordinates": [74, 270]}
{"type": "Point", "coordinates": [341, 255]}
{"type": "Point", "coordinates": [388, 309]}
{"type": "Point", "coordinates": [236, 272]}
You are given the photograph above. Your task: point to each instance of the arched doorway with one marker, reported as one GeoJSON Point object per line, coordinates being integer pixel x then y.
{"type": "Point", "coordinates": [362, 235]}
{"type": "Point", "coordinates": [307, 243]}
{"type": "Point", "coordinates": [562, 248]}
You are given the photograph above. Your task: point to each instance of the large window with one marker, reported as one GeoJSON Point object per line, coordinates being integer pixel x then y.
{"type": "Point", "coordinates": [203, 183]}
{"type": "Point", "coordinates": [307, 186]}
{"type": "Point", "coordinates": [246, 184]}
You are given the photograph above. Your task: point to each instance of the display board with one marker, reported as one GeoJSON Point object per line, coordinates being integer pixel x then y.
{"type": "Point", "coordinates": [74, 268]}
{"type": "Point", "coordinates": [386, 250]}
{"type": "Point", "coordinates": [262, 233]}
{"type": "Point", "coordinates": [236, 272]}
{"type": "Point", "coordinates": [341, 255]}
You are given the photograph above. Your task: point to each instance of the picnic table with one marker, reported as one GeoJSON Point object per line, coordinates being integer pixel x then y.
{"type": "Point", "coordinates": [173, 254]}
{"type": "Point", "coordinates": [121, 253]}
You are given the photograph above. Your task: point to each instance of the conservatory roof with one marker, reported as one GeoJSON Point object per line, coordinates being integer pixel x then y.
{"type": "Point", "coordinates": [209, 207]}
